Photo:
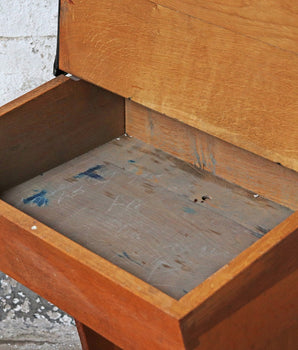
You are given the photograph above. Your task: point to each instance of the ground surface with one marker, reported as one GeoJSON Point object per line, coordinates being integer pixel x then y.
{"type": "Point", "coordinates": [30, 322]}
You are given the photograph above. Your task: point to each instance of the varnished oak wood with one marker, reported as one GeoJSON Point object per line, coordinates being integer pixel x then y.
{"type": "Point", "coordinates": [238, 88]}
{"type": "Point", "coordinates": [248, 328]}
{"type": "Point", "coordinates": [274, 22]}
{"type": "Point", "coordinates": [269, 322]}
{"type": "Point", "coordinates": [133, 314]}
{"type": "Point", "coordinates": [257, 269]}
{"type": "Point", "coordinates": [53, 124]}
{"type": "Point", "coordinates": [287, 340]}
{"type": "Point", "coordinates": [225, 83]}
{"type": "Point", "coordinates": [214, 155]}
{"type": "Point", "coordinates": [91, 340]}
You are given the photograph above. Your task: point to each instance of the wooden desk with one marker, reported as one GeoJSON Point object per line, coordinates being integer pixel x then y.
{"type": "Point", "coordinates": [185, 235]}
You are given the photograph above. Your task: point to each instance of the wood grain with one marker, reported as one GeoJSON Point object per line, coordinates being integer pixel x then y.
{"type": "Point", "coordinates": [269, 322]}
{"type": "Point", "coordinates": [257, 269]}
{"type": "Point", "coordinates": [288, 340]}
{"type": "Point", "coordinates": [54, 123]}
{"type": "Point", "coordinates": [274, 22]}
{"type": "Point", "coordinates": [137, 210]}
{"type": "Point", "coordinates": [91, 340]}
{"type": "Point", "coordinates": [115, 304]}
{"type": "Point", "coordinates": [229, 85]}
{"type": "Point", "coordinates": [207, 152]}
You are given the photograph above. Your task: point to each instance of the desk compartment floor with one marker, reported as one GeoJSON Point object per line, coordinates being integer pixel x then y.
{"type": "Point", "coordinates": [164, 221]}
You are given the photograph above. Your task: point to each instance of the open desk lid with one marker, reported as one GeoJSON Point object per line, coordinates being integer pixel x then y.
{"type": "Point", "coordinates": [218, 67]}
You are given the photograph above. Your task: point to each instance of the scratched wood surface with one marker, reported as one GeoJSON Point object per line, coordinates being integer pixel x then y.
{"type": "Point", "coordinates": [229, 69]}
{"type": "Point", "coordinates": [220, 158]}
{"type": "Point", "coordinates": [155, 216]}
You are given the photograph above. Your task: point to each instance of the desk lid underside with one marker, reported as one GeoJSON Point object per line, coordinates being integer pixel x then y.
{"type": "Point", "coordinates": [226, 69]}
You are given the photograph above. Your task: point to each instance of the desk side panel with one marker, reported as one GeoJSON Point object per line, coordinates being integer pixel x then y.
{"type": "Point", "coordinates": [53, 124]}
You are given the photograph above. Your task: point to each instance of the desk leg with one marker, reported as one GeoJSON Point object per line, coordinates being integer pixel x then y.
{"type": "Point", "coordinates": [91, 340]}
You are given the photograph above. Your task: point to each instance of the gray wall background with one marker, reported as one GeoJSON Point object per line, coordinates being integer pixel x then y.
{"type": "Point", "coordinates": [27, 50]}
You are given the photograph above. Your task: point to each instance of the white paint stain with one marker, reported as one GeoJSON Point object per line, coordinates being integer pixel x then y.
{"type": "Point", "coordinates": [54, 315]}
{"type": "Point", "coordinates": [38, 316]}
{"type": "Point", "coordinates": [66, 320]}
{"type": "Point", "coordinates": [6, 287]}
{"type": "Point", "coordinates": [18, 308]}
{"type": "Point", "coordinates": [25, 307]}
{"type": "Point", "coordinates": [6, 307]}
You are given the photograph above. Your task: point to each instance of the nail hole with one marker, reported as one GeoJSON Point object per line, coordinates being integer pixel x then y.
{"type": "Point", "coordinates": [205, 198]}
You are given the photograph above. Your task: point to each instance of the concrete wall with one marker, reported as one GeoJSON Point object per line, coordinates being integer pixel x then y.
{"type": "Point", "coordinates": [27, 45]}
{"type": "Point", "coordinates": [27, 50]}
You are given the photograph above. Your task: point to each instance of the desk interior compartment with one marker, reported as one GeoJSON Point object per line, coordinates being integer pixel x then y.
{"type": "Point", "coordinates": [135, 187]}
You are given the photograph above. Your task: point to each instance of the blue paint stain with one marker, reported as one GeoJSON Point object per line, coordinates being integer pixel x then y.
{"type": "Point", "coordinates": [185, 291]}
{"type": "Point", "coordinates": [125, 255]}
{"type": "Point", "coordinates": [38, 199]}
{"type": "Point", "coordinates": [91, 173]}
{"type": "Point", "coordinates": [188, 210]}
{"type": "Point", "coordinates": [131, 161]}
